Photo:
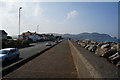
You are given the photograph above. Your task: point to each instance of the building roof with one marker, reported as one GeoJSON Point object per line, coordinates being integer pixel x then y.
{"type": "Point", "coordinates": [28, 33]}
{"type": "Point", "coordinates": [3, 32]}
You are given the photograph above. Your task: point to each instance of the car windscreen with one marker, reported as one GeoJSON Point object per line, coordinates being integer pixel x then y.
{"type": "Point", "coordinates": [4, 51]}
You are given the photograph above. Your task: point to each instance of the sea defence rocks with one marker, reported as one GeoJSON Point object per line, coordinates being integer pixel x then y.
{"type": "Point", "coordinates": [108, 50]}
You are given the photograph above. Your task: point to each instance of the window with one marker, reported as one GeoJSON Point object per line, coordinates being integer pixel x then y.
{"type": "Point", "coordinates": [13, 50]}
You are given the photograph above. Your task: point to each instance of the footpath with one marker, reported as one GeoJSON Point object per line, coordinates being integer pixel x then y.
{"type": "Point", "coordinates": [54, 63]}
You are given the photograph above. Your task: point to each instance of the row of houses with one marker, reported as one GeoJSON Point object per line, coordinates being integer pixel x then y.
{"type": "Point", "coordinates": [29, 35]}
{"type": "Point", "coordinates": [36, 37]}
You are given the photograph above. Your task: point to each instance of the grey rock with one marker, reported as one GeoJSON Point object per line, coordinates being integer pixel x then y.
{"type": "Point", "coordinates": [87, 46]}
{"type": "Point", "coordinates": [92, 48]}
{"type": "Point", "coordinates": [109, 53]}
{"type": "Point", "coordinates": [83, 44]}
{"type": "Point", "coordinates": [115, 47]}
{"type": "Point", "coordinates": [105, 46]}
{"type": "Point", "coordinates": [118, 64]}
{"type": "Point", "coordinates": [114, 56]}
{"type": "Point", "coordinates": [100, 44]}
{"type": "Point", "coordinates": [101, 52]}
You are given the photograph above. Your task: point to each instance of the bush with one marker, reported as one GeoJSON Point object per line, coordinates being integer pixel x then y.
{"type": "Point", "coordinates": [30, 40]}
{"type": "Point", "coordinates": [9, 44]}
{"type": "Point", "coordinates": [24, 42]}
{"type": "Point", "coordinates": [15, 44]}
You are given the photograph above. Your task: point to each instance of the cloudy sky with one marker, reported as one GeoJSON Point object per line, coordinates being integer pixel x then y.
{"type": "Point", "coordinates": [60, 17]}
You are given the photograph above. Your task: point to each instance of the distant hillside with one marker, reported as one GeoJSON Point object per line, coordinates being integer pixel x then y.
{"type": "Point", "coordinates": [15, 36]}
{"type": "Point", "coordinates": [92, 36]}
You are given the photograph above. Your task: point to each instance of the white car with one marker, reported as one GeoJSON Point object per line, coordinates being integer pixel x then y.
{"type": "Point", "coordinates": [48, 44]}
{"type": "Point", "coordinates": [9, 54]}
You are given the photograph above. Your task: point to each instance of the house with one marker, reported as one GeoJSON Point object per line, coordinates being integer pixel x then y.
{"type": "Point", "coordinates": [36, 37]}
{"type": "Point", "coordinates": [3, 35]}
{"type": "Point", "coordinates": [29, 35]}
{"type": "Point", "coordinates": [41, 37]}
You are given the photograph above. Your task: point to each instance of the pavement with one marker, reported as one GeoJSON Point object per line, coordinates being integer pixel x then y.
{"type": "Point", "coordinates": [29, 51]}
{"type": "Point", "coordinates": [54, 63]}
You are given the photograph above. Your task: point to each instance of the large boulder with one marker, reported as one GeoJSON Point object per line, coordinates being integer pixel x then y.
{"type": "Point", "coordinates": [115, 58]}
{"type": "Point", "coordinates": [88, 42]}
{"type": "Point", "coordinates": [118, 64]}
{"type": "Point", "coordinates": [115, 47]}
{"type": "Point", "coordinates": [93, 43]}
{"type": "Point", "coordinates": [105, 46]}
{"type": "Point", "coordinates": [83, 44]}
{"type": "Point", "coordinates": [79, 43]}
{"type": "Point", "coordinates": [87, 46]}
{"type": "Point", "coordinates": [108, 42]}
{"type": "Point", "coordinates": [92, 48]}
{"type": "Point", "coordinates": [101, 52]}
{"type": "Point", "coordinates": [100, 44]}
{"type": "Point", "coordinates": [109, 53]}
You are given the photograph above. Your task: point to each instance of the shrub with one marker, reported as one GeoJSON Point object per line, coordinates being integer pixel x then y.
{"type": "Point", "coordinates": [15, 44]}
{"type": "Point", "coordinates": [24, 43]}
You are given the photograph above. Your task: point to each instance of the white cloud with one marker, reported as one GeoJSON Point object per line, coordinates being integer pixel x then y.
{"type": "Point", "coordinates": [47, 21]}
{"type": "Point", "coordinates": [9, 16]}
{"type": "Point", "coordinates": [61, 0]}
{"type": "Point", "coordinates": [38, 10]}
{"type": "Point", "coordinates": [31, 15]}
{"type": "Point", "coordinates": [72, 14]}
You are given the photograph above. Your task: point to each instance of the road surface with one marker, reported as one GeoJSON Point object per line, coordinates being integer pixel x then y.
{"type": "Point", "coordinates": [54, 63]}
{"type": "Point", "coordinates": [29, 51]}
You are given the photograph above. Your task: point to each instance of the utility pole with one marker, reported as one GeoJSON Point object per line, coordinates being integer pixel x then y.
{"type": "Point", "coordinates": [19, 20]}
{"type": "Point", "coordinates": [37, 28]}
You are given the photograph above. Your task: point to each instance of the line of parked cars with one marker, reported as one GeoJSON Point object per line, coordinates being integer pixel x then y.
{"type": "Point", "coordinates": [9, 54]}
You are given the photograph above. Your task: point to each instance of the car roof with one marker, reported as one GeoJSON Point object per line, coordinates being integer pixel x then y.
{"type": "Point", "coordinates": [8, 48]}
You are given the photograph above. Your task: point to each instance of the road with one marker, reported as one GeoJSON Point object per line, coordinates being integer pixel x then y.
{"type": "Point", "coordinates": [54, 63]}
{"type": "Point", "coordinates": [29, 51]}
{"type": "Point", "coordinates": [25, 52]}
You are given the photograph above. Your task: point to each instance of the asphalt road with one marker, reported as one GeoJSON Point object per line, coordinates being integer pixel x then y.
{"type": "Point", "coordinates": [36, 47]}
{"type": "Point", "coordinates": [54, 63]}
{"type": "Point", "coordinates": [29, 51]}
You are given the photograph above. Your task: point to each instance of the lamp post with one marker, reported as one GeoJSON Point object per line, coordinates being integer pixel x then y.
{"type": "Point", "coordinates": [19, 20]}
{"type": "Point", "coordinates": [37, 28]}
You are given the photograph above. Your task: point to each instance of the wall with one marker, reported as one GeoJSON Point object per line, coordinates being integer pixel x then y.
{"type": "Point", "coordinates": [89, 65]}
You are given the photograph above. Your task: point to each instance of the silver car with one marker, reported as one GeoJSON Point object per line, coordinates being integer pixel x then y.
{"type": "Point", "coordinates": [9, 54]}
{"type": "Point", "coordinates": [48, 44]}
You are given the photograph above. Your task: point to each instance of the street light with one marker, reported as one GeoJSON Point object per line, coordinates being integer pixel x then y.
{"type": "Point", "coordinates": [19, 20]}
{"type": "Point", "coordinates": [37, 28]}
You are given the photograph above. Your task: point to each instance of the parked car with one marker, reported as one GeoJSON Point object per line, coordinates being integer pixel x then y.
{"type": "Point", "coordinates": [56, 41]}
{"type": "Point", "coordinates": [9, 54]}
{"type": "Point", "coordinates": [48, 44]}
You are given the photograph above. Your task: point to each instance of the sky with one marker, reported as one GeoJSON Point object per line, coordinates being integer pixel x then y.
{"type": "Point", "coordinates": [60, 17]}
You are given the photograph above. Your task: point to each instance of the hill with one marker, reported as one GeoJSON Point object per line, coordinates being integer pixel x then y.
{"type": "Point", "coordinates": [91, 36]}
